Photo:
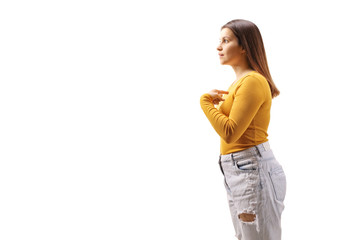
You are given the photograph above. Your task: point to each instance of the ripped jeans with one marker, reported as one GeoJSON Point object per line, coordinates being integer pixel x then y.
{"type": "Point", "coordinates": [256, 184]}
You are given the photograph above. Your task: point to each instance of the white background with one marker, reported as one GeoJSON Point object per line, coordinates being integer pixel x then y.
{"type": "Point", "coordinates": [102, 135]}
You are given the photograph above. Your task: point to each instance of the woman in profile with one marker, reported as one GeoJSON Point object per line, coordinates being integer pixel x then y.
{"type": "Point", "coordinates": [254, 179]}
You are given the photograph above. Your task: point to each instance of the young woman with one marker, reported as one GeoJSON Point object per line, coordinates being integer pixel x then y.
{"type": "Point", "coordinates": [254, 180]}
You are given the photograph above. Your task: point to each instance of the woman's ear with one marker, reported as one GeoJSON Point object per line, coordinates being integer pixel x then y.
{"type": "Point", "coordinates": [242, 50]}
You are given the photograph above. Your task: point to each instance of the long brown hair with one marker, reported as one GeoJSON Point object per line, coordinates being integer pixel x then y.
{"type": "Point", "coordinates": [250, 39]}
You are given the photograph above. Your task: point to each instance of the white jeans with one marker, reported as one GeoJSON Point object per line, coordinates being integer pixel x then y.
{"type": "Point", "coordinates": [255, 184]}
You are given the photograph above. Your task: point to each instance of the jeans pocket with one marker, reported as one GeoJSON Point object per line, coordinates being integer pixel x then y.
{"type": "Point", "coordinates": [278, 182]}
{"type": "Point", "coordinates": [249, 164]}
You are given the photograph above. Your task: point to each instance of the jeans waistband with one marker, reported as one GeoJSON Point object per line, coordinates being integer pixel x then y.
{"type": "Point", "coordinates": [258, 149]}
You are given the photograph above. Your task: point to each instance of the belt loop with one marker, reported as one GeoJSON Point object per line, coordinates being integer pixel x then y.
{"type": "Point", "coordinates": [232, 158]}
{"type": "Point", "coordinates": [221, 168]}
{"type": "Point", "coordinates": [259, 150]}
{"type": "Point", "coordinates": [266, 146]}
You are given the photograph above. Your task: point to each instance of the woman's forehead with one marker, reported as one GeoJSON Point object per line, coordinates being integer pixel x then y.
{"type": "Point", "coordinates": [226, 32]}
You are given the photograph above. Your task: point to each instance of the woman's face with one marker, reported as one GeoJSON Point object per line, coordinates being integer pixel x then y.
{"type": "Point", "coordinates": [230, 52]}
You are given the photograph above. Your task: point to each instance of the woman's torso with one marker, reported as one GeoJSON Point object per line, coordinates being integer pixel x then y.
{"type": "Point", "coordinates": [256, 131]}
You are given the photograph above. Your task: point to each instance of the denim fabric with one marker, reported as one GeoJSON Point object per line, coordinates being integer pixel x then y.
{"type": "Point", "coordinates": [255, 183]}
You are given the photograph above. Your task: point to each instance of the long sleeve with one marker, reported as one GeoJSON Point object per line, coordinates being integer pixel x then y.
{"type": "Point", "coordinates": [247, 99]}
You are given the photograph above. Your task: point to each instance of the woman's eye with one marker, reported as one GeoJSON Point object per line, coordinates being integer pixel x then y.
{"type": "Point", "coordinates": [224, 41]}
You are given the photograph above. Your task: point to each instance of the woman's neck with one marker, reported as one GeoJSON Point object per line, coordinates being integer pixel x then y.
{"type": "Point", "coordinates": [241, 71]}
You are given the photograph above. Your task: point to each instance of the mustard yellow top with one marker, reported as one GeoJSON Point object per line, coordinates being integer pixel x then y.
{"type": "Point", "coordinates": [243, 118]}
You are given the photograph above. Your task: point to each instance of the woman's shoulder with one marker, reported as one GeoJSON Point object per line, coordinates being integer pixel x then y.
{"type": "Point", "coordinates": [256, 83]}
{"type": "Point", "coordinates": [254, 78]}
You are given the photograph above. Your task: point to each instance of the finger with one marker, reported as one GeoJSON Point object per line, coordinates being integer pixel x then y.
{"type": "Point", "coordinates": [222, 92]}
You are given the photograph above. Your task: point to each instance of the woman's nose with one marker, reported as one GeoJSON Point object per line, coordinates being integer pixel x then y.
{"type": "Point", "coordinates": [219, 48]}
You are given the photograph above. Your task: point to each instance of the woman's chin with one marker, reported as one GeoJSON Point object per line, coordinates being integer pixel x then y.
{"type": "Point", "coordinates": [222, 62]}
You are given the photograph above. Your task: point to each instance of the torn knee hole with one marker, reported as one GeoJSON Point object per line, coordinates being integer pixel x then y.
{"type": "Point", "coordinates": [247, 217]}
